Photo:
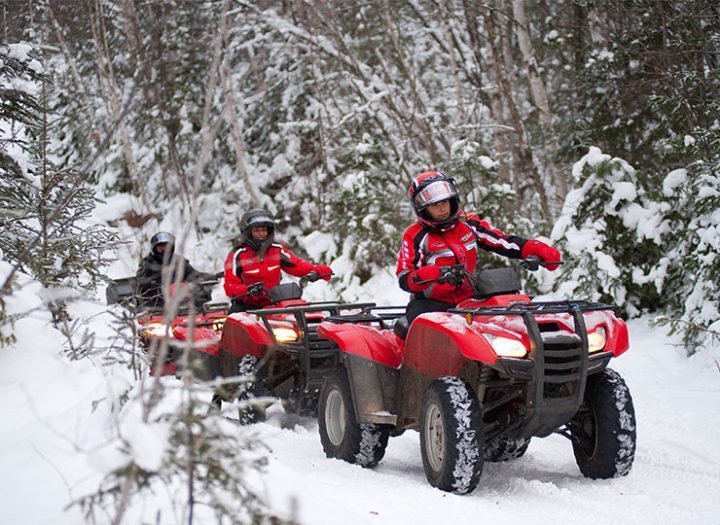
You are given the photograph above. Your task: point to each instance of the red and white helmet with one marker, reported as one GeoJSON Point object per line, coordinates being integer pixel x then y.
{"type": "Point", "coordinates": [431, 187]}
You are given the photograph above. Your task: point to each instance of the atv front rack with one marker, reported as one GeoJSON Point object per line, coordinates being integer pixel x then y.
{"type": "Point", "coordinates": [538, 308]}
{"type": "Point", "coordinates": [557, 369]}
{"type": "Point", "coordinates": [309, 345]}
{"type": "Point", "coordinates": [385, 316]}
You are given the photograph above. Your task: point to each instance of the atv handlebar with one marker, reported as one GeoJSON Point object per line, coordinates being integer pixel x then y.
{"type": "Point", "coordinates": [257, 289]}
{"type": "Point", "coordinates": [533, 262]}
{"type": "Point", "coordinates": [456, 274]}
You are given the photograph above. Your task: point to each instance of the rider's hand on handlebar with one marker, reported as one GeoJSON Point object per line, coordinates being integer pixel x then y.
{"type": "Point", "coordinates": [452, 275]}
{"type": "Point", "coordinates": [324, 272]}
{"type": "Point", "coordinates": [424, 275]}
{"type": "Point", "coordinates": [256, 289]}
{"type": "Point", "coordinates": [551, 257]}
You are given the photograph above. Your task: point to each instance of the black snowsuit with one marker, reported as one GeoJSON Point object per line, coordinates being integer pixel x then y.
{"type": "Point", "coordinates": [149, 278]}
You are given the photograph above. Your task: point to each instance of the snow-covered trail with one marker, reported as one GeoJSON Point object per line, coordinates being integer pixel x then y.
{"type": "Point", "coordinates": [675, 478]}
{"type": "Point", "coordinates": [49, 426]}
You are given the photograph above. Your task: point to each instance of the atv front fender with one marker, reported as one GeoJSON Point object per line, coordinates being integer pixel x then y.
{"type": "Point", "coordinates": [440, 344]}
{"type": "Point", "coordinates": [243, 334]}
{"type": "Point", "coordinates": [204, 339]}
{"type": "Point", "coordinates": [381, 346]}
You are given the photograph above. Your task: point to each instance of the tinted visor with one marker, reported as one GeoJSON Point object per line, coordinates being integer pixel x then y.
{"type": "Point", "coordinates": [434, 192]}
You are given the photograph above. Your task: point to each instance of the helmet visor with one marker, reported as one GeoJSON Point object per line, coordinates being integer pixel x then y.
{"type": "Point", "coordinates": [163, 238]}
{"type": "Point", "coordinates": [434, 192]}
{"type": "Point", "coordinates": [259, 221]}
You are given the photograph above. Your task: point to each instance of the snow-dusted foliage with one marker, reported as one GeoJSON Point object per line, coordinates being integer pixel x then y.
{"type": "Point", "coordinates": [692, 250]}
{"type": "Point", "coordinates": [645, 250]}
{"type": "Point", "coordinates": [45, 204]}
{"type": "Point", "coordinates": [611, 235]}
{"type": "Point", "coordinates": [204, 463]}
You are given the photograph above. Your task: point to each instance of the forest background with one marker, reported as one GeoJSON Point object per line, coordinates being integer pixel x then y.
{"type": "Point", "coordinates": [590, 123]}
{"type": "Point", "coordinates": [323, 111]}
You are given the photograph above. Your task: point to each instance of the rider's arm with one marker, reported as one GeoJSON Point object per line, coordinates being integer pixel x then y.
{"type": "Point", "coordinates": [191, 274]}
{"type": "Point", "coordinates": [293, 264]}
{"type": "Point", "coordinates": [234, 285]}
{"type": "Point", "coordinates": [410, 271]}
{"type": "Point", "coordinates": [148, 283]}
{"type": "Point", "coordinates": [493, 240]}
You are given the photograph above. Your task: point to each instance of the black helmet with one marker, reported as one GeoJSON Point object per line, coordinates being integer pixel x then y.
{"type": "Point", "coordinates": [431, 187]}
{"type": "Point", "coordinates": [162, 238]}
{"type": "Point", "coordinates": [256, 218]}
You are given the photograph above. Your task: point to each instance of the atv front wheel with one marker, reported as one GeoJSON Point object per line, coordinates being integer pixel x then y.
{"type": "Point", "coordinates": [603, 430]}
{"type": "Point", "coordinates": [342, 437]}
{"type": "Point", "coordinates": [250, 411]}
{"type": "Point", "coordinates": [451, 435]}
{"type": "Point", "coordinates": [505, 449]}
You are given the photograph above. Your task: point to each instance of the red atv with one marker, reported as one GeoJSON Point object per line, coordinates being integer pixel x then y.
{"type": "Point", "coordinates": [479, 381]}
{"type": "Point", "coordinates": [195, 320]}
{"type": "Point", "coordinates": [277, 351]}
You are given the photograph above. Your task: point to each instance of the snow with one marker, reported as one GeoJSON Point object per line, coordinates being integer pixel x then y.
{"type": "Point", "coordinates": [55, 442]}
{"type": "Point", "coordinates": [673, 180]}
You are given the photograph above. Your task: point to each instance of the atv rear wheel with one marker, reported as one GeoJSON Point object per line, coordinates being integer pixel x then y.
{"type": "Point", "coordinates": [505, 449]}
{"type": "Point", "coordinates": [250, 411]}
{"type": "Point", "coordinates": [342, 437]}
{"type": "Point", "coordinates": [603, 430]}
{"type": "Point", "coordinates": [451, 435]}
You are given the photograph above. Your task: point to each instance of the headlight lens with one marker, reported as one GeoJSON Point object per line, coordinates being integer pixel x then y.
{"type": "Point", "coordinates": [156, 330]}
{"type": "Point", "coordinates": [506, 347]}
{"type": "Point", "coordinates": [285, 335]}
{"type": "Point", "coordinates": [218, 324]}
{"type": "Point", "coordinates": [597, 340]}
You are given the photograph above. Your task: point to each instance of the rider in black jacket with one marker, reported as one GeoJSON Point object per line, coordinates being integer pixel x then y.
{"type": "Point", "coordinates": [163, 259]}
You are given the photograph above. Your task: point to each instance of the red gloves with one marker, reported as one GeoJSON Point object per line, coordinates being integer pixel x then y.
{"type": "Point", "coordinates": [545, 252]}
{"type": "Point", "coordinates": [324, 272]}
{"type": "Point", "coordinates": [426, 273]}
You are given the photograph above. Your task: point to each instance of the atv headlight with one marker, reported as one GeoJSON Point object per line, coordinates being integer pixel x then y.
{"type": "Point", "coordinates": [506, 347]}
{"type": "Point", "coordinates": [285, 335]}
{"type": "Point", "coordinates": [597, 340]}
{"type": "Point", "coordinates": [156, 330]}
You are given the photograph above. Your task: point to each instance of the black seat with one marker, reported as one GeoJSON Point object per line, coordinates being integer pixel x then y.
{"type": "Point", "coordinates": [121, 290]}
{"type": "Point", "coordinates": [401, 327]}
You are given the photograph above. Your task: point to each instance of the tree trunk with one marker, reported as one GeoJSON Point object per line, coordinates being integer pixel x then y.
{"type": "Point", "coordinates": [525, 162]}
{"type": "Point", "coordinates": [539, 97]}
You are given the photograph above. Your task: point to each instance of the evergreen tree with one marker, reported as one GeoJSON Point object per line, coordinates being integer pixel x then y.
{"type": "Point", "coordinates": [45, 206]}
{"type": "Point", "coordinates": [610, 234]}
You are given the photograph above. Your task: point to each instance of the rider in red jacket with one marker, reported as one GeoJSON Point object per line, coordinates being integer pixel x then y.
{"type": "Point", "coordinates": [444, 235]}
{"type": "Point", "coordinates": [255, 258]}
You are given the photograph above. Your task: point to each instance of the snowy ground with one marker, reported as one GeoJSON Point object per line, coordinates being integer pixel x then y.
{"type": "Point", "coordinates": [675, 479]}
{"type": "Point", "coordinates": [49, 431]}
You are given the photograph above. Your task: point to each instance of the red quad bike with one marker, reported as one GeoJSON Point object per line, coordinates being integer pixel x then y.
{"type": "Point", "coordinates": [200, 323]}
{"type": "Point", "coordinates": [479, 381]}
{"type": "Point", "coordinates": [277, 352]}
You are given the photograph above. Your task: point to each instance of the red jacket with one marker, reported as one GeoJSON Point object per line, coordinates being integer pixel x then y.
{"type": "Point", "coordinates": [243, 267]}
{"type": "Point", "coordinates": [456, 245]}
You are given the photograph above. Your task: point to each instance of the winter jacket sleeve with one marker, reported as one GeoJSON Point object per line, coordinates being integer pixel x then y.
{"type": "Point", "coordinates": [493, 240]}
{"type": "Point", "coordinates": [293, 264]}
{"type": "Point", "coordinates": [410, 258]}
{"type": "Point", "coordinates": [234, 284]}
{"type": "Point", "coordinates": [149, 283]}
